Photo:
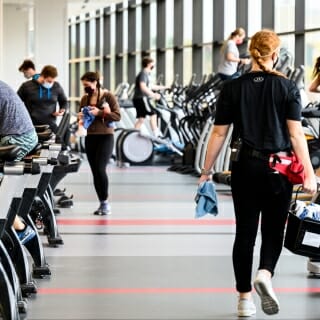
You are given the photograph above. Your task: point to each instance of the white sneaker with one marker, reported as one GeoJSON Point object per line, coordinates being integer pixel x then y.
{"type": "Point", "coordinates": [246, 308]}
{"type": "Point", "coordinates": [269, 301]}
{"type": "Point", "coordinates": [103, 210]}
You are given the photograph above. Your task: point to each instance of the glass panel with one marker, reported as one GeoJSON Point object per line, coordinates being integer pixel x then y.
{"type": "Point", "coordinates": [284, 15]}
{"type": "Point", "coordinates": [187, 64]}
{"type": "Point", "coordinates": [169, 66]}
{"type": "Point", "coordinates": [153, 25]}
{"type": "Point", "coordinates": [288, 42]}
{"type": "Point", "coordinates": [169, 23]}
{"type": "Point", "coordinates": [92, 66]}
{"type": "Point", "coordinates": [138, 28]}
{"type": "Point", "coordinates": [92, 37]}
{"type": "Point", "coordinates": [207, 33]}
{"type": "Point", "coordinates": [82, 70]}
{"type": "Point", "coordinates": [82, 39]}
{"type": "Point", "coordinates": [73, 41]}
{"type": "Point", "coordinates": [207, 59]}
{"type": "Point", "coordinates": [229, 17]}
{"type": "Point", "coordinates": [125, 30]}
{"type": "Point", "coordinates": [138, 61]}
{"type": "Point", "coordinates": [187, 22]}
{"type": "Point", "coordinates": [113, 48]}
{"type": "Point", "coordinates": [73, 81]}
{"type": "Point", "coordinates": [255, 20]}
{"type": "Point", "coordinates": [125, 68]}
{"type": "Point", "coordinates": [312, 14]}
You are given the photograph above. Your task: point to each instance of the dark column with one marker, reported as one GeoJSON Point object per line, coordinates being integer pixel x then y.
{"type": "Point", "coordinates": [218, 31]}
{"type": "Point", "coordinates": [161, 36]}
{"type": "Point", "coordinates": [197, 52]}
{"type": "Point", "coordinates": [299, 35]}
{"type": "Point", "coordinates": [178, 37]}
{"type": "Point", "coordinates": [106, 47]}
{"type": "Point", "coordinates": [119, 44]}
{"type": "Point", "coordinates": [132, 40]}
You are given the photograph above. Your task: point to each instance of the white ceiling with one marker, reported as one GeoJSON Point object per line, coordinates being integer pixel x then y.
{"type": "Point", "coordinates": [75, 7]}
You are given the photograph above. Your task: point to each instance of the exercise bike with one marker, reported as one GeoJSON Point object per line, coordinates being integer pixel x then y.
{"type": "Point", "coordinates": [138, 147]}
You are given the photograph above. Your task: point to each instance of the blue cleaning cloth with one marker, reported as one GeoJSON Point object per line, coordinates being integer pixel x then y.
{"type": "Point", "coordinates": [311, 211]}
{"type": "Point", "coordinates": [88, 118]}
{"type": "Point", "coordinates": [206, 199]}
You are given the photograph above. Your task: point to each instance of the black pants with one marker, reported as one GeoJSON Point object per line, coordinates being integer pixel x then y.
{"type": "Point", "coordinates": [99, 150]}
{"type": "Point", "coordinates": [269, 194]}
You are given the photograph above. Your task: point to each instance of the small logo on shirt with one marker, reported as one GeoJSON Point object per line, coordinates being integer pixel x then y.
{"type": "Point", "coordinates": [258, 79]}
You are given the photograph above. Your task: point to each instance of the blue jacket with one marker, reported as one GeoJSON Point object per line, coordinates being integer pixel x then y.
{"type": "Point", "coordinates": [206, 199]}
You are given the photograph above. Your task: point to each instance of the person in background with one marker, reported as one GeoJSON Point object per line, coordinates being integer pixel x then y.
{"type": "Point", "coordinates": [99, 140]}
{"type": "Point", "coordinates": [230, 58]}
{"type": "Point", "coordinates": [44, 98]}
{"type": "Point", "coordinates": [143, 93]}
{"type": "Point", "coordinates": [265, 110]}
{"type": "Point", "coordinates": [314, 86]}
{"type": "Point", "coordinates": [29, 70]}
{"type": "Point", "coordinates": [16, 128]}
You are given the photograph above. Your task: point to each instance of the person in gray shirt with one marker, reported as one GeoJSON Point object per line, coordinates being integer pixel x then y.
{"type": "Point", "coordinates": [227, 69]}
{"type": "Point", "coordinates": [16, 128]}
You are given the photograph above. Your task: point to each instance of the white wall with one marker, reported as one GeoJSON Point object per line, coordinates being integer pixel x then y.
{"type": "Point", "coordinates": [15, 44]}
{"type": "Point", "coordinates": [49, 40]}
{"type": "Point", "coordinates": [51, 37]}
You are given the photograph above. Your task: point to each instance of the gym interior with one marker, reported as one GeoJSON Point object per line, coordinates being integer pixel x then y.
{"type": "Point", "coordinates": [151, 258]}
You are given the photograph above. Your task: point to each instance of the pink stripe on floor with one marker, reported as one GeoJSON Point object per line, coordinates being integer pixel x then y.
{"type": "Point", "coordinates": [160, 290]}
{"type": "Point", "coordinates": [145, 222]}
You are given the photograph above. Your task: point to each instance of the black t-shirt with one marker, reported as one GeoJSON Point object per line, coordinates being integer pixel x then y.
{"type": "Point", "coordinates": [141, 77]}
{"type": "Point", "coordinates": [258, 104]}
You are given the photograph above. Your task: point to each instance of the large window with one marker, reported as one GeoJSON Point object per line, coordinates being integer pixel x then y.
{"type": "Point", "coordinates": [254, 23]}
{"type": "Point", "coordinates": [229, 17]}
{"type": "Point", "coordinates": [169, 24]}
{"type": "Point", "coordinates": [153, 25]}
{"type": "Point", "coordinates": [287, 42]}
{"type": "Point", "coordinates": [284, 15]}
{"type": "Point", "coordinates": [207, 21]}
{"type": "Point", "coordinates": [197, 46]}
{"type": "Point", "coordinates": [312, 14]}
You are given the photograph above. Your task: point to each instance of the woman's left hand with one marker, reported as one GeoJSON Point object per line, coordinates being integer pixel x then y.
{"type": "Point", "coordinates": [204, 178]}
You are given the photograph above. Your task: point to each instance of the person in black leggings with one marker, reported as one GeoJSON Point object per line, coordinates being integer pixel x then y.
{"type": "Point", "coordinates": [265, 110]}
{"type": "Point", "coordinates": [99, 141]}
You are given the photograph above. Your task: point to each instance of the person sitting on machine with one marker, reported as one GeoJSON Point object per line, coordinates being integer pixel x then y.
{"type": "Point", "coordinates": [16, 128]}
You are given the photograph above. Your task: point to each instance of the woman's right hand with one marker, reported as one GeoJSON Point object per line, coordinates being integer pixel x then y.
{"type": "Point", "coordinates": [310, 185]}
{"type": "Point", "coordinates": [106, 108]}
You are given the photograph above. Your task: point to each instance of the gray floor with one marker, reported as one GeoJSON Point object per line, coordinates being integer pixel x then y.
{"type": "Point", "coordinates": [151, 259]}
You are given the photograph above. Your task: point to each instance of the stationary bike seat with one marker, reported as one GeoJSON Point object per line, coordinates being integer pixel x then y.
{"type": "Point", "coordinates": [45, 135]}
{"type": "Point", "coordinates": [41, 127]}
{"type": "Point", "coordinates": [9, 153]}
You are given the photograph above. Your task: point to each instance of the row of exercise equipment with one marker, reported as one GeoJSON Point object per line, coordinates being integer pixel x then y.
{"type": "Point", "coordinates": [28, 189]}
{"type": "Point", "coordinates": [179, 119]}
